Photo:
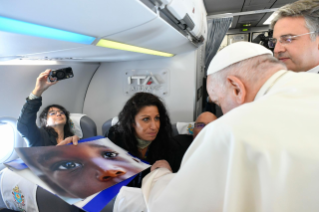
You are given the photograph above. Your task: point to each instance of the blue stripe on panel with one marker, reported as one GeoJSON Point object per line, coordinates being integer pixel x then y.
{"type": "Point", "coordinates": [20, 27]}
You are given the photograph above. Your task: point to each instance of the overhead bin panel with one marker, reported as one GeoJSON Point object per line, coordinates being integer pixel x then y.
{"type": "Point", "coordinates": [126, 21]}
{"type": "Point", "coordinates": [18, 45]}
{"type": "Point", "coordinates": [47, 49]}
{"type": "Point", "coordinates": [188, 15]}
{"type": "Point", "coordinates": [157, 35]}
{"type": "Point", "coordinates": [92, 54]}
{"type": "Point", "coordinates": [96, 18]}
{"type": "Point", "coordinates": [190, 12]}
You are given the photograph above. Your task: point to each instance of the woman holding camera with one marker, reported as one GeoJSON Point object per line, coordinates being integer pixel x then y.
{"type": "Point", "coordinates": [54, 119]}
{"type": "Point", "coordinates": [144, 130]}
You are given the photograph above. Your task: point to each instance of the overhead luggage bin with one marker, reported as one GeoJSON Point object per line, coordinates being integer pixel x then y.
{"type": "Point", "coordinates": [125, 21]}
{"type": "Point", "coordinates": [188, 15]}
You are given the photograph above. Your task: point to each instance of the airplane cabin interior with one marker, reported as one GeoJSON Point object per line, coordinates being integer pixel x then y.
{"type": "Point", "coordinates": [115, 49]}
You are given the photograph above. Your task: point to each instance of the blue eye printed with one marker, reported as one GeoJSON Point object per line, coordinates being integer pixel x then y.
{"type": "Point", "coordinates": [109, 154]}
{"type": "Point", "coordinates": [68, 165]}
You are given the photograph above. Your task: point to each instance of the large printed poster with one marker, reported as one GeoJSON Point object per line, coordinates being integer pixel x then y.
{"type": "Point", "coordinates": [75, 172]}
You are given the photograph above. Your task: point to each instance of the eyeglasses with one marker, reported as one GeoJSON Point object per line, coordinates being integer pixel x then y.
{"type": "Point", "coordinates": [199, 125]}
{"type": "Point", "coordinates": [53, 113]}
{"type": "Point", "coordinates": [285, 39]}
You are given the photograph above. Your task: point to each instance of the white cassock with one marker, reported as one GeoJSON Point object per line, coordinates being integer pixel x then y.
{"type": "Point", "coordinates": [260, 157]}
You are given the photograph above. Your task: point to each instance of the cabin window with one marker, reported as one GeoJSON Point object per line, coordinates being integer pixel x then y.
{"type": "Point", "coordinates": [6, 141]}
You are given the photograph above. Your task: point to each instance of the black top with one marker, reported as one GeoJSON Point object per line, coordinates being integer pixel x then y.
{"type": "Point", "coordinates": [174, 155]}
{"type": "Point", "coordinates": [27, 125]}
{"type": "Point", "coordinates": [184, 140]}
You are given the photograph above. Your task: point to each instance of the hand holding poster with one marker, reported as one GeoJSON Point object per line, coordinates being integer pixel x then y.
{"type": "Point", "coordinates": [75, 172]}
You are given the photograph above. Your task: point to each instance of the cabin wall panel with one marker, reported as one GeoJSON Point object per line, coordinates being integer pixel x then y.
{"type": "Point", "coordinates": [106, 98]}
{"type": "Point", "coordinates": [200, 75]}
{"type": "Point", "coordinates": [17, 82]}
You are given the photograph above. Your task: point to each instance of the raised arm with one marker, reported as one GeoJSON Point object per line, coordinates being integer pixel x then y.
{"type": "Point", "coordinates": [27, 120]}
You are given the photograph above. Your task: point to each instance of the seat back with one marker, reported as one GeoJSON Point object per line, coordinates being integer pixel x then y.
{"type": "Point", "coordinates": [174, 130]}
{"type": "Point", "coordinates": [82, 125]}
{"type": "Point", "coordinates": [48, 202]}
{"type": "Point", "coordinates": [35, 196]}
{"type": "Point", "coordinates": [12, 140]}
{"type": "Point", "coordinates": [108, 124]}
{"type": "Point", "coordinates": [183, 128]}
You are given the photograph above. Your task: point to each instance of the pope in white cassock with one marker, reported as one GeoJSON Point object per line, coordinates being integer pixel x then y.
{"type": "Point", "coordinates": [261, 156]}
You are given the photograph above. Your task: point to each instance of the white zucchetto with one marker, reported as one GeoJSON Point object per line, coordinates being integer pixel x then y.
{"type": "Point", "coordinates": [235, 53]}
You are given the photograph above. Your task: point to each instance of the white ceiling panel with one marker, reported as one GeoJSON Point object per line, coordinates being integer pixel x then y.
{"type": "Point", "coordinates": [96, 18]}
{"type": "Point", "coordinates": [18, 45]}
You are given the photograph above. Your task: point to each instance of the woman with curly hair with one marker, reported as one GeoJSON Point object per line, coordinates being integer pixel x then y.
{"type": "Point", "coordinates": [54, 119]}
{"type": "Point", "coordinates": [144, 130]}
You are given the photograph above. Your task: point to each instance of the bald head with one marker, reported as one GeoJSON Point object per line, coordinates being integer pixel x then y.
{"type": "Point", "coordinates": [202, 120]}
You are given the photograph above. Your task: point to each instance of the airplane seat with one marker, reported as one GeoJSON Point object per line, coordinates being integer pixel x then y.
{"type": "Point", "coordinates": [48, 202]}
{"type": "Point", "coordinates": [108, 124]}
{"type": "Point", "coordinates": [28, 196]}
{"type": "Point", "coordinates": [177, 128]}
{"type": "Point", "coordinates": [183, 128]}
{"type": "Point", "coordinates": [2, 205]}
{"type": "Point", "coordinates": [12, 138]}
{"type": "Point", "coordinates": [183, 133]}
{"type": "Point", "coordinates": [174, 130]}
{"type": "Point", "coordinates": [82, 125]}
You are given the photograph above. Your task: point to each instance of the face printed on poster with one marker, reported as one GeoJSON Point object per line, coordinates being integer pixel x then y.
{"type": "Point", "coordinates": [78, 171]}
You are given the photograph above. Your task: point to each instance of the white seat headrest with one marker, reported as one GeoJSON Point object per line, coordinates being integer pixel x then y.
{"type": "Point", "coordinates": [75, 120]}
{"type": "Point", "coordinates": [185, 127]}
{"type": "Point", "coordinates": [10, 135]}
{"type": "Point", "coordinates": [114, 121]}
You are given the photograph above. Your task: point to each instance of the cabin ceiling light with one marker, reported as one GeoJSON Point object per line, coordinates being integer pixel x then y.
{"type": "Point", "coordinates": [20, 27]}
{"type": "Point", "coordinates": [268, 21]}
{"type": "Point", "coordinates": [125, 47]}
{"type": "Point", "coordinates": [27, 62]}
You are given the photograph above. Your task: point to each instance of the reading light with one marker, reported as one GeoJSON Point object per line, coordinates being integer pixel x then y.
{"type": "Point", "coordinates": [20, 27]}
{"type": "Point", "coordinates": [125, 47]}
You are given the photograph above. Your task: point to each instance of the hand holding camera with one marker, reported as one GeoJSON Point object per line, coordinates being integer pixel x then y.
{"type": "Point", "coordinates": [51, 77]}
{"type": "Point", "coordinates": [60, 74]}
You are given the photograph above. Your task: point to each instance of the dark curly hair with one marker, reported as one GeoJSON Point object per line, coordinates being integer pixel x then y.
{"type": "Point", "coordinates": [160, 147]}
{"type": "Point", "coordinates": [50, 130]}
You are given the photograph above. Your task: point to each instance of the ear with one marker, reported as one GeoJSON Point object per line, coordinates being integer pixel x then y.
{"type": "Point", "coordinates": [238, 90]}
{"type": "Point", "coordinates": [133, 125]}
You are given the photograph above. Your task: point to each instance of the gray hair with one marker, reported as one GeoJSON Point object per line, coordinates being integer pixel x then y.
{"type": "Point", "coordinates": [250, 71]}
{"type": "Point", "coordinates": [309, 9]}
